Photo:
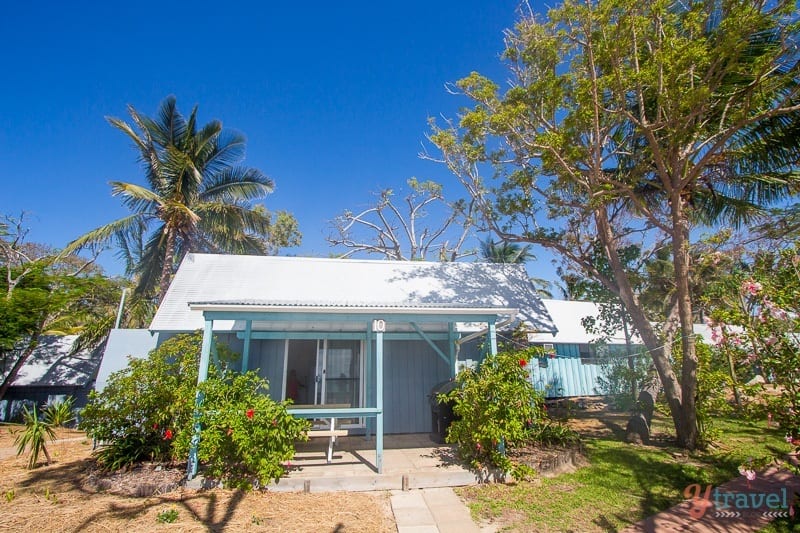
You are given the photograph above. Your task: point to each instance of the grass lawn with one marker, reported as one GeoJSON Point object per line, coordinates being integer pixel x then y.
{"type": "Point", "coordinates": [622, 483]}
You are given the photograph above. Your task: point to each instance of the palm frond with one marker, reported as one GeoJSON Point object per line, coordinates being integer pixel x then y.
{"type": "Point", "coordinates": [237, 183]}
{"type": "Point", "coordinates": [100, 236]}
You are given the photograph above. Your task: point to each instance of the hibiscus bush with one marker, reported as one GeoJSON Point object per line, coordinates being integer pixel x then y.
{"type": "Point", "coordinates": [497, 409]}
{"type": "Point", "coordinates": [247, 438]}
{"type": "Point", "coordinates": [148, 411]}
{"type": "Point", "coordinates": [144, 406]}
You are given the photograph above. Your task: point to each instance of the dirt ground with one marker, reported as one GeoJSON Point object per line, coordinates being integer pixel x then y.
{"type": "Point", "coordinates": [70, 495]}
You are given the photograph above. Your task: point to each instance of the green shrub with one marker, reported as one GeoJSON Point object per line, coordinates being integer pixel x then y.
{"type": "Point", "coordinates": [60, 413]}
{"type": "Point", "coordinates": [146, 405]}
{"type": "Point", "coordinates": [147, 412]}
{"type": "Point", "coordinates": [246, 436]}
{"type": "Point", "coordinates": [496, 409]}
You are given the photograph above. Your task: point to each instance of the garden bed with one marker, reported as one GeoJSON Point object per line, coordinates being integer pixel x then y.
{"type": "Point", "coordinates": [549, 461]}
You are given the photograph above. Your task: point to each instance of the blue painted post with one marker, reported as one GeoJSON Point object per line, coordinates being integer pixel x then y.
{"type": "Point", "coordinates": [202, 375]}
{"type": "Point", "coordinates": [451, 344]}
{"type": "Point", "coordinates": [248, 331]}
{"type": "Point", "coordinates": [368, 389]}
{"type": "Point", "coordinates": [379, 400]}
{"type": "Point", "coordinates": [493, 338]}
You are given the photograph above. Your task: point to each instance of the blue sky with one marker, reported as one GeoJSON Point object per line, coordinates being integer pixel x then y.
{"type": "Point", "coordinates": [333, 97]}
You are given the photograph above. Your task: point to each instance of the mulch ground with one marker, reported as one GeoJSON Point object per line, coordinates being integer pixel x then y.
{"type": "Point", "coordinates": [72, 494]}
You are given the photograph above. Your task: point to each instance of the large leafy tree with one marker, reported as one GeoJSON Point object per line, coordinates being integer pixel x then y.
{"type": "Point", "coordinates": [634, 123]}
{"type": "Point", "coordinates": [196, 198]}
{"type": "Point", "coordinates": [43, 292]}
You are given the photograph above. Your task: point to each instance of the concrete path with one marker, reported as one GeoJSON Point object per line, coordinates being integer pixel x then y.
{"type": "Point", "coordinates": [748, 507]}
{"type": "Point", "coordinates": [431, 511]}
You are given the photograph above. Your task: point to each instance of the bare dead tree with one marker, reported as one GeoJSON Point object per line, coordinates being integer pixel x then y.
{"type": "Point", "coordinates": [423, 225]}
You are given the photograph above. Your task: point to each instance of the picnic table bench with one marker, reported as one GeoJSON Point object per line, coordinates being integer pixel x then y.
{"type": "Point", "coordinates": [305, 411]}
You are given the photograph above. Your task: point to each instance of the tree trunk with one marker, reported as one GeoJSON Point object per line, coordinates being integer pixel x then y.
{"type": "Point", "coordinates": [631, 363]}
{"type": "Point", "coordinates": [638, 429]}
{"type": "Point", "coordinates": [20, 362]}
{"type": "Point", "coordinates": [654, 345]}
{"type": "Point", "coordinates": [687, 431]}
{"type": "Point", "coordinates": [166, 268]}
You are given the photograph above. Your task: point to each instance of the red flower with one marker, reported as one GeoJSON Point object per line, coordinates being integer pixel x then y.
{"type": "Point", "coordinates": [168, 434]}
{"type": "Point", "coordinates": [155, 426]}
{"type": "Point", "coordinates": [522, 362]}
{"type": "Point", "coordinates": [250, 413]}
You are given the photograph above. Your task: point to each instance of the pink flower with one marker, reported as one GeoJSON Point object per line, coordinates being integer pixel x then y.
{"type": "Point", "coordinates": [168, 434]}
{"type": "Point", "coordinates": [155, 427]}
{"type": "Point", "coordinates": [771, 340]}
{"type": "Point", "coordinates": [749, 474]}
{"type": "Point", "coordinates": [751, 287]}
{"type": "Point", "coordinates": [250, 413]}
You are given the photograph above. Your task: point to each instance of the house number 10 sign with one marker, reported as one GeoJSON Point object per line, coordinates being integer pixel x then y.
{"type": "Point", "coordinates": [379, 326]}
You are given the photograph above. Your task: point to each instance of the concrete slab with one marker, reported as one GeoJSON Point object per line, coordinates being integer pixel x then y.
{"type": "Point", "coordinates": [410, 509]}
{"type": "Point", "coordinates": [450, 513]}
{"type": "Point", "coordinates": [422, 462]}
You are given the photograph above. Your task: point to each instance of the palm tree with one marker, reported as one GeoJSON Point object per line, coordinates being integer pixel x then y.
{"type": "Point", "coordinates": [196, 198]}
{"type": "Point", "coordinates": [504, 252]}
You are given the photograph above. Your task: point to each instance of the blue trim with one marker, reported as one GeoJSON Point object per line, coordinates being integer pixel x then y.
{"type": "Point", "coordinates": [451, 343]}
{"type": "Point", "coordinates": [330, 412]}
{"type": "Point", "coordinates": [379, 401]}
{"type": "Point", "coordinates": [202, 375]}
{"type": "Point", "coordinates": [271, 316]}
{"type": "Point", "coordinates": [336, 335]}
{"type": "Point", "coordinates": [248, 330]}
{"type": "Point", "coordinates": [368, 388]}
{"type": "Point", "coordinates": [430, 342]}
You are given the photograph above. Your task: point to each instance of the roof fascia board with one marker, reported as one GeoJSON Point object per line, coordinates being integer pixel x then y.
{"type": "Point", "coordinates": [355, 309]}
{"type": "Point", "coordinates": [337, 335]}
{"type": "Point", "coordinates": [485, 315]}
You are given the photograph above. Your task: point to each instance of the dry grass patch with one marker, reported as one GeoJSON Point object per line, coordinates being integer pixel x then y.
{"type": "Point", "coordinates": [64, 497]}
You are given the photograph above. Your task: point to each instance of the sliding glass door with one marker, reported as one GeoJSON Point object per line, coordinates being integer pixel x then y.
{"type": "Point", "coordinates": [325, 372]}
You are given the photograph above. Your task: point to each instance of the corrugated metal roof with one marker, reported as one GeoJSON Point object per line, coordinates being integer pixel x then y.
{"type": "Point", "coordinates": [50, 364]}
{"type": "Point", "coordinates": [344, 283]}
{"type": "Point", "coordinates": [568, 314]}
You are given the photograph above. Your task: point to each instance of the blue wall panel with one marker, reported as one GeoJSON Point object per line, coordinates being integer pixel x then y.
{"type": "Point", "coordinates": [564, 376]}
{"type": "Point", "coordinates": [411, 369]}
